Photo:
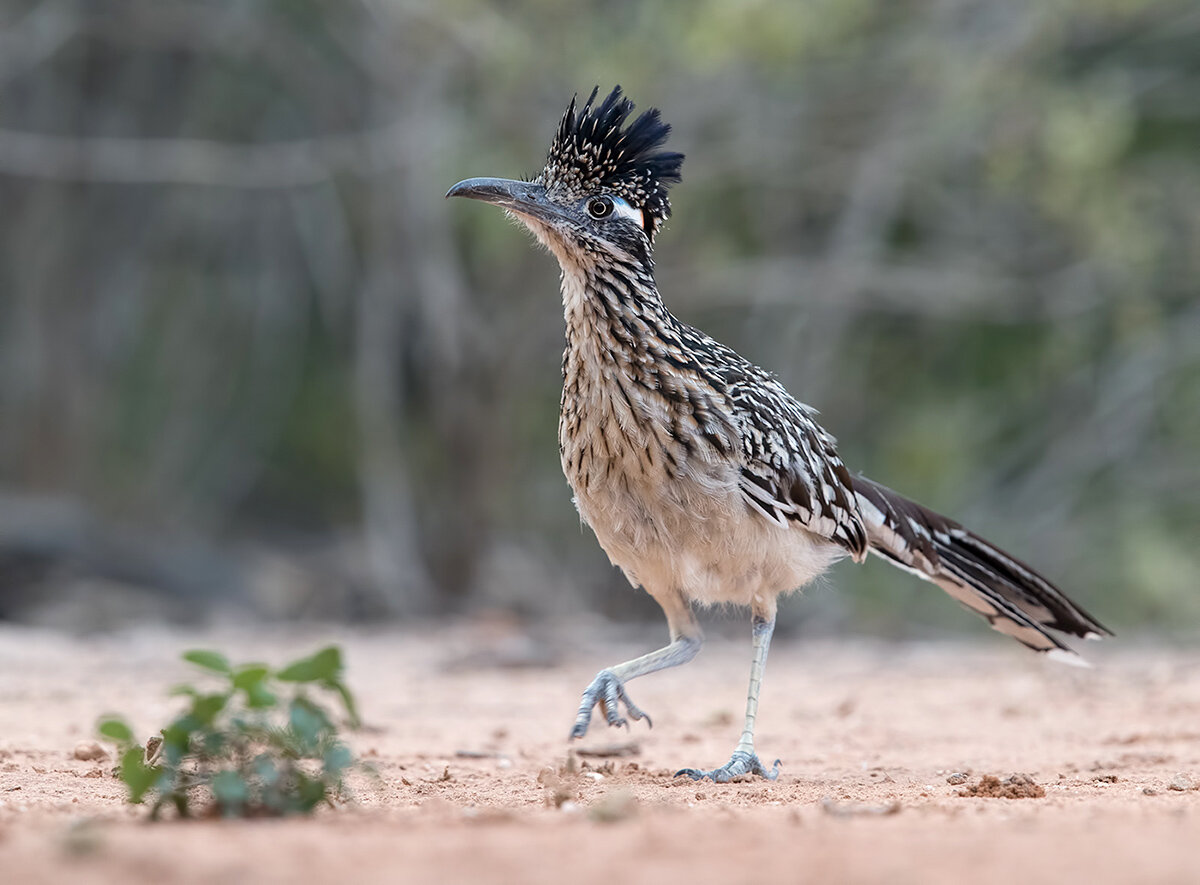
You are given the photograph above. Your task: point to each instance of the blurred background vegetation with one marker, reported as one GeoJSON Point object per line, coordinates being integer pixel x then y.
{"type": "Point", "coordinates": [252, 362]}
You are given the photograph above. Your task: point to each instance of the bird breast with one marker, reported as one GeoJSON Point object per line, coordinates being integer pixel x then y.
{"type": "Point", "coordinates": [659, 487]}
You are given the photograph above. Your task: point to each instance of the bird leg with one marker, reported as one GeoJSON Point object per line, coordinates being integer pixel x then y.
{"type": "Point", "coordinates": [744, 759]}
{"type": "Point", "coordinates": [608, 688]}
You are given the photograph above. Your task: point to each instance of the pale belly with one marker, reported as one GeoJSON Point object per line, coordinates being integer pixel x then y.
{"type": "Point", "coordinates": [694, 533]}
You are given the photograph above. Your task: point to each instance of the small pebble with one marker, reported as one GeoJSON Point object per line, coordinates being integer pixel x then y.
{"type": "Point", "coordinates": [616, 805]}
{"type": "Point", "coordinates": [90, 751]}
{"type": "Point", "coordinates": [957, 779]}
{"type": "Point", "coordinates": [1181, 783]}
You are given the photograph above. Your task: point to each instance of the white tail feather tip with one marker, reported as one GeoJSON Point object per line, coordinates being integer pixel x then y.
{"type": "Point", "coordinates": [1067, 657]}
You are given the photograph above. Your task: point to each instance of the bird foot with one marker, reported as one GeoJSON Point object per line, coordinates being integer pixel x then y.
{"type": "Point", "coordinates": [608, 691]}
{"type": "Point", "coordinates": [740, 763]}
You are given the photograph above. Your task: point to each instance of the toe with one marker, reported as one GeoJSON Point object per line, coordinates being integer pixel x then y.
{"type": "Point", "coordinates": [635, 712]}
{"type": "Point", "coordinates": [608, 693]}
{"type": "Point", "coordinates": [740, 763]}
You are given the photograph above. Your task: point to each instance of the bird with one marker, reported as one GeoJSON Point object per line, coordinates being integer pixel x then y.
{"type": "Point", "coordinates": [703, 479]}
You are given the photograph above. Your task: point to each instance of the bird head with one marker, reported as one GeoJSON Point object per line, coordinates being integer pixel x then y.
{"type": "Point", "coordinates": [604, 185]}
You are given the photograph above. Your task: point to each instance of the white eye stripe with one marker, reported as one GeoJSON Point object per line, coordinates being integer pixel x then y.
{"type": "Point", "coordinates": [622, 209]}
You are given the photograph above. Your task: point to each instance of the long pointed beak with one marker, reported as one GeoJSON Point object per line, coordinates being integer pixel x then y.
{"type": "Point", "coordinates": [524, 197]}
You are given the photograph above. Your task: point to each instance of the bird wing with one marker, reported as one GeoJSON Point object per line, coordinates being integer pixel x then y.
{"type": "Point", "coordinates": [791, 472]}
{"type": "Point", "coordinates": [1011, 596]}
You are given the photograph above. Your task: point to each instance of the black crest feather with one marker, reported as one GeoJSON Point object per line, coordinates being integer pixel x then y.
{"type": "Point", "coordinates": [591, 152]}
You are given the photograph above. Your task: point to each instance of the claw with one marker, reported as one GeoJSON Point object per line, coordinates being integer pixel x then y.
{"type": "Point", "coordinates": [740, 763]}
{"type": "Point", "coordinates": [608, 692]}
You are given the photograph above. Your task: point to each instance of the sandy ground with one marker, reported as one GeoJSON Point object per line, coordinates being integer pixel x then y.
{"type": "Point", "coordinates": [476, 784]}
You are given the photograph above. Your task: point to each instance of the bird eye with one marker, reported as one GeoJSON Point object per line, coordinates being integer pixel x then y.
{"type": "Point", "coordinates": [600, 207]}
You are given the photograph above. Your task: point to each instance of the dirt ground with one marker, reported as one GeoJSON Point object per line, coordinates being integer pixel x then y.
{"type": "Point", "coordinates": [467, 727]}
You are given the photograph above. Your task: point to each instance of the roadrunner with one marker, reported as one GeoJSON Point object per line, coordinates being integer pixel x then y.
{"type": "Point", "coordinates": [702, 477]}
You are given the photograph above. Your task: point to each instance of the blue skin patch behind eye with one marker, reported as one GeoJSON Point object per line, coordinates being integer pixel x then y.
{"type": "Point", "coordinates": [622, 209]}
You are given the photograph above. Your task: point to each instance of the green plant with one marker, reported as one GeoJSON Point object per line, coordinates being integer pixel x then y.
{"type": "Point", "coordinates": [258, 744]}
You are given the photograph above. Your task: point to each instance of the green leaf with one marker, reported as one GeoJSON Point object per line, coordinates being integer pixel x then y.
{"type": "Point", "coordinates": [214, 743]}
{"type": "Point", "coordinates": [209, 660]}
{"type": "Point", "coordinates": [309, 723]}
{"type": "Point", "coordinates": [309, 792]}
{"type": "Point", "coordinates": [230, 791]}
{"type": "Point", "coordinates": [137, 775]}
{"type": "Point", "coordinates": [249, 675]}
{"type": "Point", "coordinates": [337, 759]}
{"type": "Point", "coordinates": [266, 770]}
{"type": "Point", "coordinates": [347, 701]}
{"type": "Point", "coordinates": [324, 666]}
{"type": "Point", "coordinates": [259, 697]}
{"type": "Point", "coordinates": [115, 730]}
{"type": "Point", "coordinates": [251, 681]}
{"type": "Point", "coordinates": [205, 707]}
{"type": "Point", "coordinates": [177, 739]}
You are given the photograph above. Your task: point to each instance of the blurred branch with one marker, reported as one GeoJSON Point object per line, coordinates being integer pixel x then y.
{"type": "Point", "coordinates": [389, 515]}
{"type": "Point", "coordinates": [1129, 391]}
{"type": "Point", "coordinates": [299, 163]}
{"type": "Point", "coordinates": [934, 289]}
{"type": "Point", "coordinates": [36, 37]}
{"type": "Point", "coordinates": [856, 246]}
{"type": "Point", "coordinates": [72, 541]}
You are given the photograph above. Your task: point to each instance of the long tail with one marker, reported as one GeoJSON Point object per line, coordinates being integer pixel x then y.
{"type": "Point", "coordinates": [1013, 598]}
